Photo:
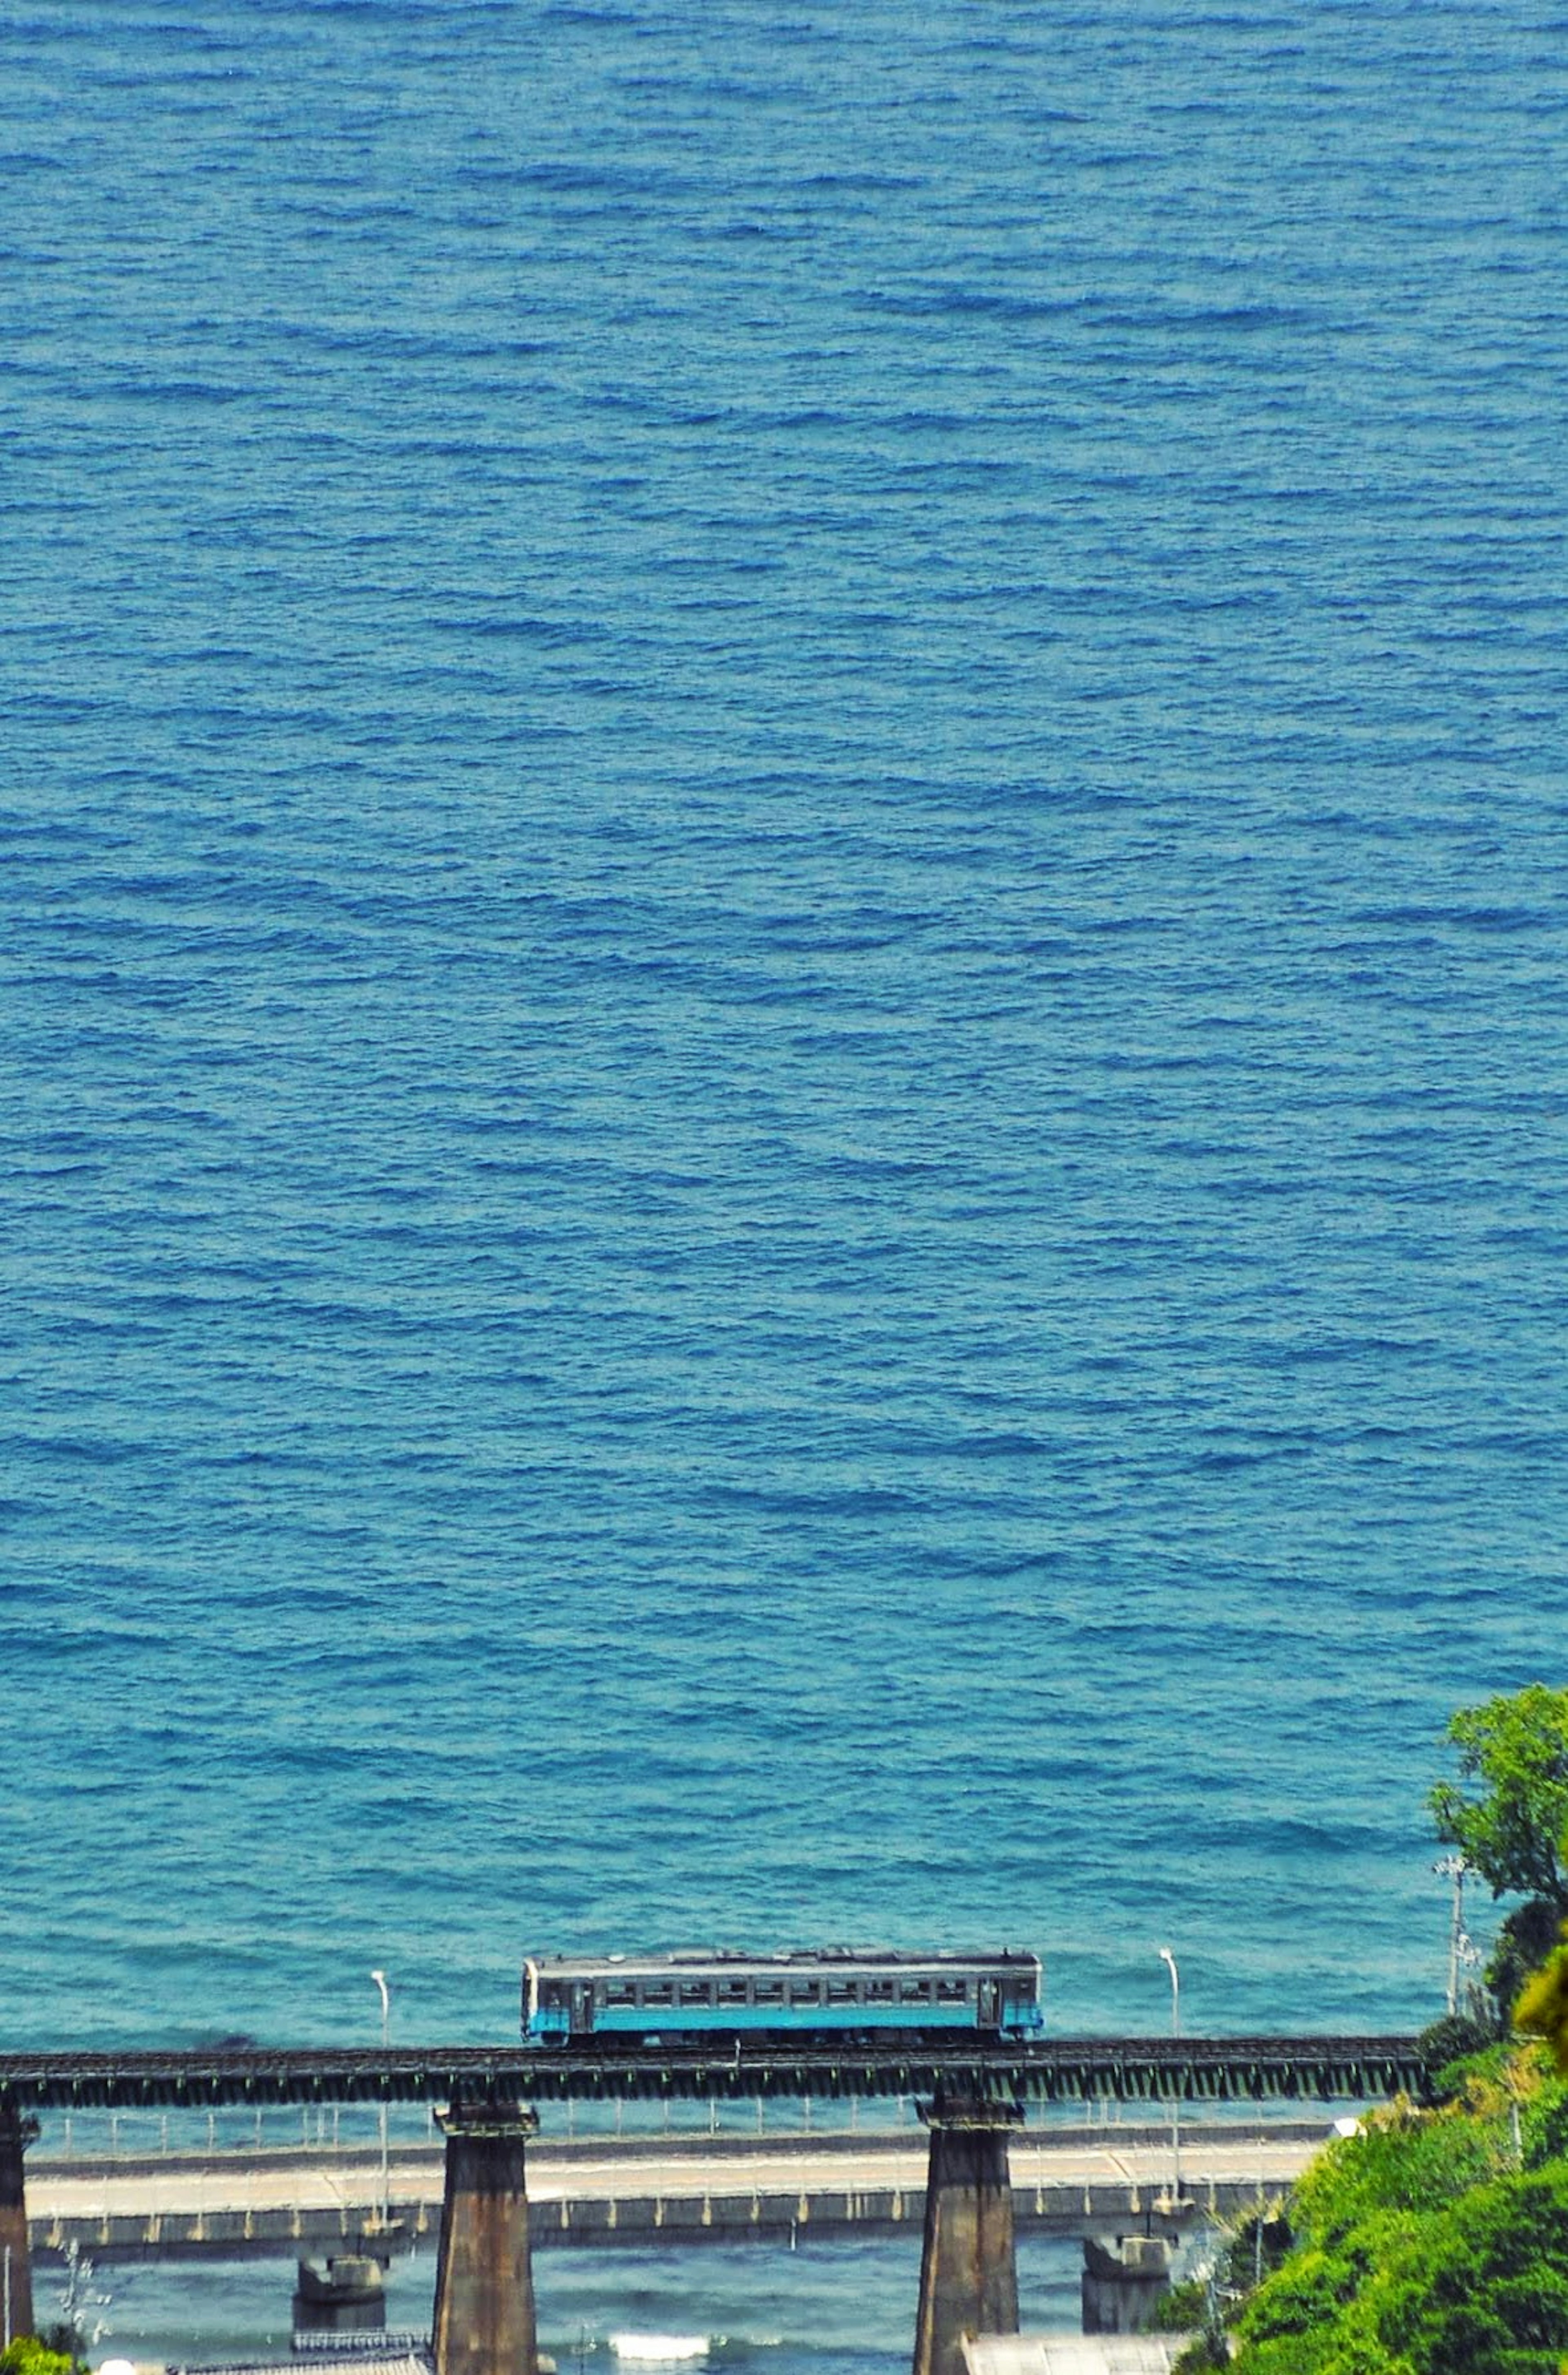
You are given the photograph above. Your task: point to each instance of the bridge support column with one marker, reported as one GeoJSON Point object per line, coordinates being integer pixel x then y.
{"type": "Point", "coordinates": [1122, 2284]}
{"type": "Point", "coordinates": [484, 2298]}
{"type": "Point", "coordinates": [968, 2272]}
{"type": "Point", "coordinates": [17, 2130]}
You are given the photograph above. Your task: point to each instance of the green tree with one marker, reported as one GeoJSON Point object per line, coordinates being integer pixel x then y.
{"type": "Point", "coordinates": [1512, 1830]}
{"type": "Point", "coordinates": [27, 2355]}
{"type": "Point", "coordinates": [1430, 2242]}
{"type": "Point", "coordinates": [1486, 2293]}
{"type": "Point", "coordinates": [1402, 2160]}
{"type": "Point", "coordinates": [1479, 2287]}
{"type": "Point", "coordinates": [1543, 2007]}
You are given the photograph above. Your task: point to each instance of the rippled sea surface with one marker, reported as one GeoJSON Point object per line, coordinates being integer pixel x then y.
{"type": "Point", "coordinates": [845, 2305]}
{"type": "Point", "coordinates": [784, 1067]}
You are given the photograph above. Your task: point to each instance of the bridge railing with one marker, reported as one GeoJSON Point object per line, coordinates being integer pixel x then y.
{"type": "Point", "coordinates": [1192, 2070]}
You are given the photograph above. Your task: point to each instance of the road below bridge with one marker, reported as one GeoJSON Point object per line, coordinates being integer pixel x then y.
{"type": "Point", "coordinates": [1072, 2181]}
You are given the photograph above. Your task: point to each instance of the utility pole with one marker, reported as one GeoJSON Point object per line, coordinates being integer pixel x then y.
{"type": "Point", "coordinates": [1454, 1867]}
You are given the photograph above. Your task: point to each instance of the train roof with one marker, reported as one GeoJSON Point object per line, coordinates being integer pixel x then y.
{"type": "Point", "coordinates": [707, 1958]}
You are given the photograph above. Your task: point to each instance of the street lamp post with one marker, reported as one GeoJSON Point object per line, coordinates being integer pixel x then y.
{"type": "Point", "coordinates": [380, 1979]}
{"type": "Point", "coordinates": [1169, 1962]}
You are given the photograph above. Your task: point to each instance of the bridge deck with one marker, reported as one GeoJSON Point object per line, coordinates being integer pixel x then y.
{"type": "Point", "coordinates": [1138, 2068]}
{"type": "Point", "coordinates": [664, 2189]}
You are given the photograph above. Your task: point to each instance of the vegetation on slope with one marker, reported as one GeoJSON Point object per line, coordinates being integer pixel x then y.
{"type": "Point", "coordinates": [1434, 2241]}
{"type": "Point", "coordinates": [27, 2355]}
{"type": "Point", "coordinates": [1514, 1834]}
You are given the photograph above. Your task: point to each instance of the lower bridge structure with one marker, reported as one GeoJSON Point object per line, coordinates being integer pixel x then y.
{"type": "Point", "coordinates": [971, 2096]}
{"type": "Point", "coordinates": [1068, 2180]}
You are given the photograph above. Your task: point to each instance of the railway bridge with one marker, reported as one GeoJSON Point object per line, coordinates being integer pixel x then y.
{"type": "Point", "coordinates": [971, 2095]}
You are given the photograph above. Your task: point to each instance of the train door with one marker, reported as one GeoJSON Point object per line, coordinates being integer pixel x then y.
{"type": "Point", "coordinates": [580, 2007]}
{"type": "Point", "coordinates": [990, 2003]}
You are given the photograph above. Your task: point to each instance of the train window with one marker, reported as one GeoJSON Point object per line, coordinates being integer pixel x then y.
{"type": "Point", "coordinates": [696, 1992]}
{"type": "Point", "coordinates": [804, 1992]}
{"type": "Point", "coordinates": [618, 1991]}
{"type": "Point", "coordinates": [732, 1991]}
{"type": "Point", "coordinates": [952, 1991]}
{"type": "Point", "coordinates": [658, 1992]}
{"type": "Point", "coordinates": [844, 1992]}
{"type": "Point", "coordinates": [768, 1991]}
{"type": "Point", "coordinates": [878, 1990]}
{"type": "Point", "coordinates": [915, 1992]}
{"type": "Point", "coordinates": [553, 1992]}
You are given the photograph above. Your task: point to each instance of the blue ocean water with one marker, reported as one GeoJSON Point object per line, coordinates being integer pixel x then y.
{"type": "Point", "coordinates": [762, 2311]}
{"type": "Point", "coordinates": [784, 1072]}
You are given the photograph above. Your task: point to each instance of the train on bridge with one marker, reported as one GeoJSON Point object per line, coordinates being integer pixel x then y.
{"type": "Point", "coordinates": [865, 1996]}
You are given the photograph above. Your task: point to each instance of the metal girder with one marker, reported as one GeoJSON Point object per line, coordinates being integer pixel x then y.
{"type": "Point", "coordinates": [1133, 2069]}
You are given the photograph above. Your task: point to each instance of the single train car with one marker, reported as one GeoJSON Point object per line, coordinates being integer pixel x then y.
{"type": "Point", "coordinates": [875, 1994]}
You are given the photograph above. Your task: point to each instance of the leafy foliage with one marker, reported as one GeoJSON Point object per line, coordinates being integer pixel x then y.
{"type": "Point", "coordinates": [1524, 1942]}
{"type": "Point", "coordinates": [1543, 2009]}
{"type": "Point", "coordinates": [1305, 2297]}
{"type": "Point", "coordinates": [30, 2356]}
{"type": "Point", "coordinates": [1512, 1834]}
{"type": "Point", "coordinates": [1180, 2309]}
{"type": "Point", "coordinates": [1432, 2242]}
{"type": "Point", "coordinates": [1206, 2350]}
{"type": "Point", "coordinates": [1487, 2294]}
{"type": "Point", "coordinates": [1450, 2042]}
{"type": "Point", "coordinates": [1403, 2159]}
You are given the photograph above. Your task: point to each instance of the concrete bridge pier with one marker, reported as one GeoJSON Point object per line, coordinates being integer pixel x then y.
{"type": "Point", "coordinates": [1124, 2282]}
{"type": "Point", "coordinates": [968, 2272]}
{"type": "Point", "coordinates": [17, 2130]}
{"type": "Point", "coordinates": [484, 2321]}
